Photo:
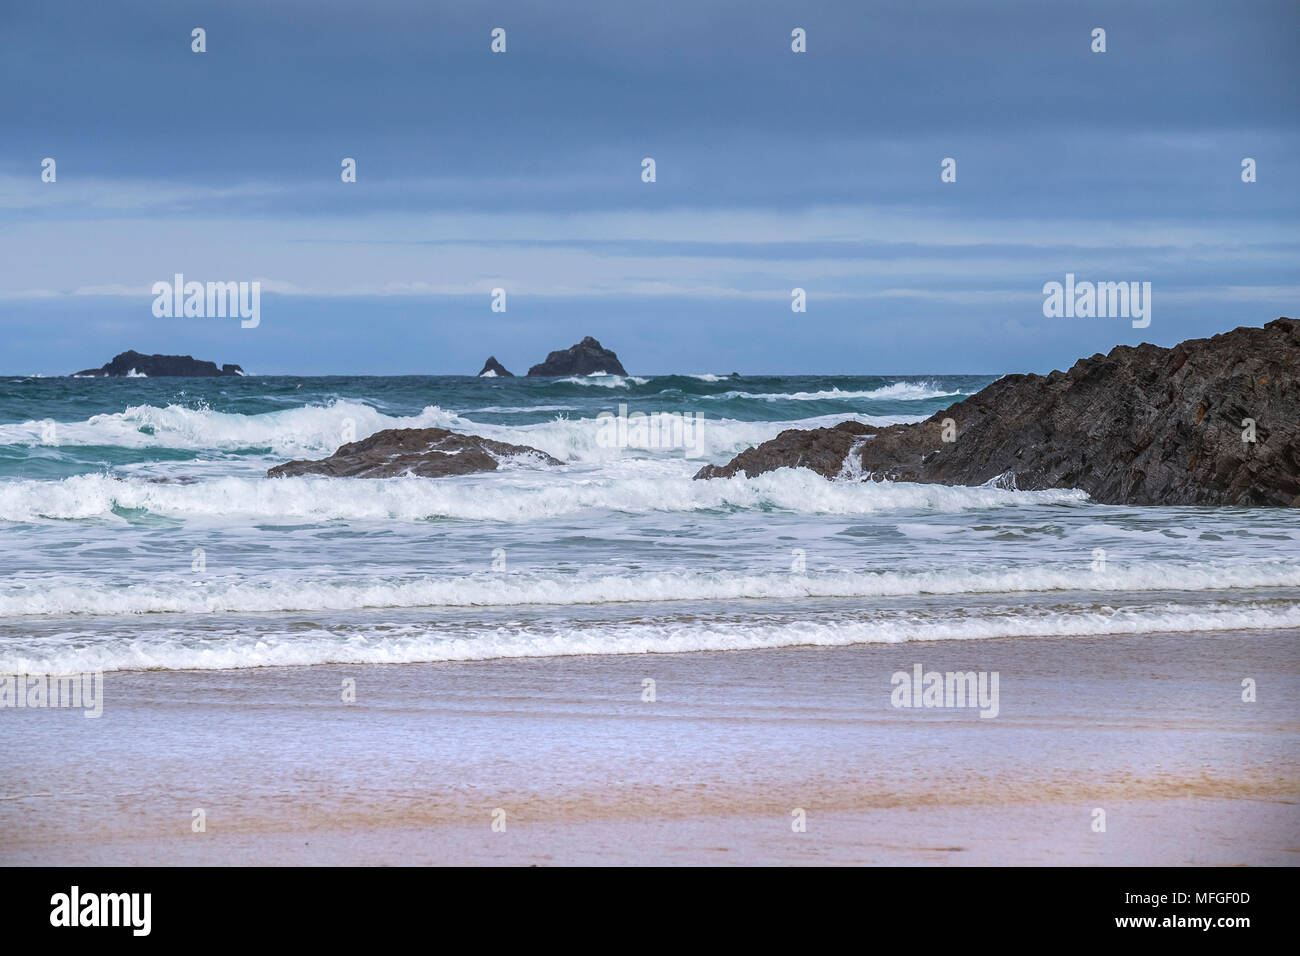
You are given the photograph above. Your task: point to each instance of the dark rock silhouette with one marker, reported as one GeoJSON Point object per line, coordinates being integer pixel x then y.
{"type": "Point", "coordinates": [160, 366]}
{"type": "Point", "coordinates": [1140, 426]}
{"type": "Point", "coordinates": [582, 359]}
{"type": "Point", "coordinates": [427, 452]}
{"type": "Point", "coordinates": [496, 368]}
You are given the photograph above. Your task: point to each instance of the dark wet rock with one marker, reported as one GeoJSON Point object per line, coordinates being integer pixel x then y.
{"type": "Point", "coordinates": [427, 452]}
{"type": "Point", "coordinates": [496, 368]}
{"type": "Point", "coordinates": [585, 358]}
{"type": "Point", "coordinates": [1141, 425]}
{"type": "Point", "coordinates": [160, 366]}
{"type": "Point", "coordinates": [821, 449]}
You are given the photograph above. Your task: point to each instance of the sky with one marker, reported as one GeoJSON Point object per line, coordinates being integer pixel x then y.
{"type": "Point", "coordinates": [522, 170]}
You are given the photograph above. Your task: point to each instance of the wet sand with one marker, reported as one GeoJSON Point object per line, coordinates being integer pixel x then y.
{"type": "Point", "coordinates": [1151, 729]}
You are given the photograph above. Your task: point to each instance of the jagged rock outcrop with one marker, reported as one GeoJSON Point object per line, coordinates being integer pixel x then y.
{"type": "Point", "coordinates": [159, 366]}
{"type": "Point", "coordinates": [494, 369]}
{"type": "Point", "coordinates": [427, 452]}
{"type": "Point", "coordinates": [824, 450]}
{"type": "Point", "coordinates": [1140, 425]}
{"type": "Point", "coordinates": [582, 359]}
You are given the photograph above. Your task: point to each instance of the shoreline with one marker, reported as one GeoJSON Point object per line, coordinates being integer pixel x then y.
{"type": "Point", "coordinates": [1150, 728]}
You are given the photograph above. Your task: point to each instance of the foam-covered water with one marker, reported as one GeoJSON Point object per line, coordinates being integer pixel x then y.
{"type": "Point", "coordinates": [137, 529]}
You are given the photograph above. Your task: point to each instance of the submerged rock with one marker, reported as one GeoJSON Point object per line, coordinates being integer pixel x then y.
{"type": "Point", "coordinates": [585, 358]}
{"type": "Point", "coordinates": [1140, 426]}
{"type": "Point", "coordinates": [494, 369]}
{"type": "Point", "coordinates": [426, 452]}
{"type": "Point", "coordinates": [130, 363]}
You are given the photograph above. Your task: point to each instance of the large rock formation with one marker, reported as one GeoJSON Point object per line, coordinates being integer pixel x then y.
{"type": "Point", "coordinates": [427, 452]}
{"type": "Point", "coordinates": [494, 369]}
{"type": "Point", "coordinates": [1141, 426]}
{"type": "Point", "coordinates": [159, 366]}
{"type": "Point", "coordinates": [582, 359]}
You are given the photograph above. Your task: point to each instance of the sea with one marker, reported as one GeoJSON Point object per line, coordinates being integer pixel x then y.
{"type": "Point", "coordinates": [138, 530]}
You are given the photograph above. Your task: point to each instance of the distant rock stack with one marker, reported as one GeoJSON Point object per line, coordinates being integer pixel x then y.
{"type": "Point", "coordinates": [131, 363]}
{"type": "Point", "coordinates": [585, 358]}
{"type": "Point", "coordinates": [494, 369]}
{"type": "Point", "coordinates": [1208, 422]}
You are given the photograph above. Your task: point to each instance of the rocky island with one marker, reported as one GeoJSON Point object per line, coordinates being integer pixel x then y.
{"type": "Point", "coordinates": [1207, 422]}
{"type": "Point", "coordinates": [585, 358]}
{"type": "Point", "coordinates": [426, 452]}
{"type": "Point", "coordinates": [132, 363]}
{"type": "Point", "coordinates": [494, 369]}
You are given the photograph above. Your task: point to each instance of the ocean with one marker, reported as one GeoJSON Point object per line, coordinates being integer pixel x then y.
{"type": "Point", "coordinates": [138, 531]}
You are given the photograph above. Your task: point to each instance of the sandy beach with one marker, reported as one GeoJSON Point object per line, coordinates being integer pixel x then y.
{"type": "Point", "coordinates": [1151, 729]}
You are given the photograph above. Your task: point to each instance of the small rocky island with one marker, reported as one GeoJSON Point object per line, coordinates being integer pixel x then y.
{"type": "Point", "coordinates": [426, 452]}
{"type": "Point", "coordinates": [494, 369]}
{"type": "Point", "coordinates": [585, 358]}
{"type": "Point", "coordinates": [132, 363]}
{"type": "Point", "coordinates": [1208, 422]}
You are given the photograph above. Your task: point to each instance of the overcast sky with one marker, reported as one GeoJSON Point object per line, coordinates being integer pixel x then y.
{"type": "Point", "coordinates": [522, 170]}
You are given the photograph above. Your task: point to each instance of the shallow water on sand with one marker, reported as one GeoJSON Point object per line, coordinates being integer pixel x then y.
{"type": "Point", "coordinates": [1151, 729]}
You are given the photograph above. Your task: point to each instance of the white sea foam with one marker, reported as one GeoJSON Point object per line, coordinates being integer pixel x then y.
{"type": "Point", "coordinates": [604, 380]}
{"type": "Point", "coordinates": [290, 591]}
{"type": "Point", "coordinates": [899, 391]}
{"type": "Point", "coordinates": [216, 648]}
{"type": "Point", "coordinates": [512, 496]}
{"type": "Point", "coordinates": [317, 430]}
{"type": "Point", "coordinates": [579, 439]}
{"type": "Point", "coordinates": [294, 431]}
{"type": "Point", "coordinates": [509, 409]}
